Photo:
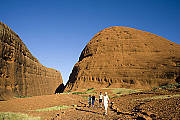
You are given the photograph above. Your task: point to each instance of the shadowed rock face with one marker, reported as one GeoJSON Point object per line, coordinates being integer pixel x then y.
{"type": "Point", "coordinates": [21, 74]}
{"type": "Point", "coordinates": [126, 57]}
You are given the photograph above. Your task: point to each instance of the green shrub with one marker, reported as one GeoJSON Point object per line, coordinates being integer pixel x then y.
{"type": "Point", "coordinates": [154, 88]}
{"type": "Point", "coordinates": [23, 96]}
{"type": "Point", "coordinates": [79, 93]}
{"type": "Point", "coordinates": [168, 86]}
{"type": "Point", "coordinates": [90, 93]}
{"type": "Point", "coordinates": [85, 97]}
{"type": "Point", "coordinates": [90, 89]}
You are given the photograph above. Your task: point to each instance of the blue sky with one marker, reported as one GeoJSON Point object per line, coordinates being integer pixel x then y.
{"type": "Point", "coordinates": [56, 31]}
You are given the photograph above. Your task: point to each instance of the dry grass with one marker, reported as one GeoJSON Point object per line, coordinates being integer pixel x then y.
{"type": "Point", "coordinates": [53, 108]}
{"type": "Point", "coordinates": [160, 97]}
{"type": "Point", "coordinates": [16, 116]}
{"type": "Point", "coordinates": [124, 91]}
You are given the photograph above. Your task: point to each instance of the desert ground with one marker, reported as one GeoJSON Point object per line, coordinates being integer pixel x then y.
{"type": "Point", "coordinates": [131, 104]}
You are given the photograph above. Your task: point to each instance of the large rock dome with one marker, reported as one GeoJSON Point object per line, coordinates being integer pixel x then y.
{"type": "Point", "coordinates": [126, 57]}
{"type": "Point", "coordinates": [21, 74]}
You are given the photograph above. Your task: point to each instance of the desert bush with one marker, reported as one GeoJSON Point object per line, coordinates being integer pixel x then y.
{"type": "Point", "coordinates": [91, 93]}
{"type": "Point", "coordinates": [22, 96]}
{"type": "Point", "coordinates": [79, 93]}
{"type": "Point", "coordinates": [85, 97]}
{"type": "Point", "coordinates": [90, 89]}
{"type": "Point", "coordinates": [168, 86]}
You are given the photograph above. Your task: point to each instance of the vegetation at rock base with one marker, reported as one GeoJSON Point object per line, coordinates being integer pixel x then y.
{"type": "Point", "coordinates": [90, 89]}
{"type": "Point", "coordinates": [123, 91]}
{"type": "Point", "coordinates": [175, 85]}
{"type": "Point", "coordinates": [23, 96]}
{"type": "Point", "coordinates": [79, 93]}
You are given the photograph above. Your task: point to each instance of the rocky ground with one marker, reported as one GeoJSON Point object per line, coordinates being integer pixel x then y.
{"type": "Point", "coordinates": [141, 105]}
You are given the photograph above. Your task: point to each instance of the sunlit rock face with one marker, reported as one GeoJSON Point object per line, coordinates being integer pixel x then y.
{"type": "Point", "coordinates": [126, 57]}
{"type": "Point", "coordinates": [21, 74]}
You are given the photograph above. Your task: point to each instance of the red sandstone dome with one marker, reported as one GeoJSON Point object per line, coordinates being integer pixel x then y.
{"type": "Point", "coordinates": [21, 74]}
{"type": "Point", "coordinates": [126, 57]}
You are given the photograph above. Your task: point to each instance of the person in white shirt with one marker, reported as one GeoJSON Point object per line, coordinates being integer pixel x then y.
{"type": "Point", "coordinates": [100, 99]}
{"type": "Point", "coordinates": [106, 100]}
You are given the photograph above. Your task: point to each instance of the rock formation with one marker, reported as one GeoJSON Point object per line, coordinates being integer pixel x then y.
{"type": "Point", "coordinates": [21, 74]}
{"type": "Point", "coordinates": [126, 57]}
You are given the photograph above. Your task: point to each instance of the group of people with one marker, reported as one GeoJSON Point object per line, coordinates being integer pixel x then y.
{"type": "Point", "coordinates": [102, 99]}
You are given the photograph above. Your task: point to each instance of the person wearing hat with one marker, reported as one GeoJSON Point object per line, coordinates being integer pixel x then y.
{"type": "Point", "coordinates": [106, 100]}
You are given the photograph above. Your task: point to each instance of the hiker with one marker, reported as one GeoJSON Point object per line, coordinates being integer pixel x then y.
{"type": "Point", "coordinates": [89, 101]}
{"type": "Point", "coordinates": [100, 99]}
{"type": "Point", "coordinates": [93, 100]}
{"type": "Point", "coordinates": [106, 100]}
